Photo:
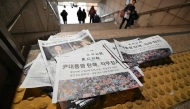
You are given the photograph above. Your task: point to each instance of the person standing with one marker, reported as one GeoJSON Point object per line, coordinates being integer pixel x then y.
{"type": "Point", "coordinates": [83, 16]}
{"type": "Point", "coordinates": [129, 10]}
{"type": "Point", "coordinates": [92, 12]}
{"type": "Point", "coordinates": [79, 14]}
{"type": "Point", "coordinates": [64, 16]}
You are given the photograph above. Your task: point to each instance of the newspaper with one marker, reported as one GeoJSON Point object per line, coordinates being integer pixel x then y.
{"type": "Point", "coordinates": [94, 52]}
{"type": "Point", "coordinates": [27, 67]}
{"type": "Point", "coordinates": [88, 53]}
{"type": "Point", "coordinates": [55, 38]}
{"type": "Point", "coordinates": [31, 83]}
{"type": "Point", "coordinates": [114, 52]}
{"type": "Point", "coordinates": [144, 50]}
{"type": "Point", "coordinates": [77, 104]}
{"type": "Point", "coordinates": [51, 49]}
{"type": "Point", "coordinates": [88, 79]}
{"type": "Point", "coordinates": [98, 48]}
{"type": "Point", "coordinates": [70, 37]}
{"type": "Point", "coordinates": [37, 75]}
{"type": "Point", "coordinates": [77, 77]}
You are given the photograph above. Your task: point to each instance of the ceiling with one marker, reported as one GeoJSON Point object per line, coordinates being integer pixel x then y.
{"type": "Point", "coordinates": [87, 1]}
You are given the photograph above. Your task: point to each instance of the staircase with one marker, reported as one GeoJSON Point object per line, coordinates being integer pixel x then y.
{"type": "Point", "coordinates": [89, 26]}
{"type": "Point", "coordinates": [166, 81]}
{"type": "Point", "coordinates": [177, 36]}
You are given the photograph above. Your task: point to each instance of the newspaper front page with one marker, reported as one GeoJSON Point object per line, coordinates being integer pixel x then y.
{"type": "Point", "coordinates": [92, 67]}
{"type": "Point", "coordinates": [78, 80]}
{"type": "Point", "coordinates": [51, 49]}
{"type": "Point", "coordinates": [115, 53]}
{"type": "Point", "coordinates": [144, 50]}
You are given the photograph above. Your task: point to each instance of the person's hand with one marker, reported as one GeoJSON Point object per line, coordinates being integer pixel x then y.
{"type": "Point", "coordinates": [128, 11]}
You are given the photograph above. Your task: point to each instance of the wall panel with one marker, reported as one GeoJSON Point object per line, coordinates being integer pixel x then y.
{"type": "Point", "coordinates": [153, 3]}
{"type": "Point", "coordinates": [41, 7]}
{"type": "Point", "coordinates": [167, 19]}
{"type": "Point", "coordinates": [183, 13]}
{"type": "Point", "coordinates": [158, 18]}
{"type": "Point", "coordinates": [19, 26]}
{"type": "Point", "coordinates": [8, 10]}
{"type": "Point", "coordinates": [31, 18]}
{"type": "Point", "coordinates": [178, 21]}
{"type": "Point", "coordinates": [36, 17]}
{"type": "Point", "coordinates": [166, 3]}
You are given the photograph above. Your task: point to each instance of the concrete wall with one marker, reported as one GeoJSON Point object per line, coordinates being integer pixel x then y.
{"type": "Point", "coordinates": [37, 20]}
{"type": "Point", "coordinates": [178, 16]}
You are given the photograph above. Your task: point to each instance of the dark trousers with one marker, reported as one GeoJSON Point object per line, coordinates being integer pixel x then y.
{"type": "Point", "coordinates": [65, 22]}
{"type": "Point", "coordinates": [83, 21]}
{"type": "Point", "coordinates": [92, 19]}
{"type": "Point", "coordinates": [127, 24]}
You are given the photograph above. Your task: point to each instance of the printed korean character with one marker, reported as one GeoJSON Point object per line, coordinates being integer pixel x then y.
{"type": "Point", "coordinates": [103, 63]}
{"type": "Point", "coordinates": [64, 66]}
{"type": "Point", "coordinates": [107, 62]}
{"type": "Point", "coordinates": [98, 58]}
{"type": "Point", "coordinates": [94, 64]}
{"type": "Point", "coordinates": [89, 65]}
{"type": "Point", "coordinates": [82, 65]}
{"type": "Point", "coordinates": [101, 53]}
{"type": "Point", "coordinates": [83, 59]}
{"type": "Point", "coordinates": [71, 66]}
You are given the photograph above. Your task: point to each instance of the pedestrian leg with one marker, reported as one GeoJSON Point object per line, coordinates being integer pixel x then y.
{"type": "Point", "coordinates": [122, 22]}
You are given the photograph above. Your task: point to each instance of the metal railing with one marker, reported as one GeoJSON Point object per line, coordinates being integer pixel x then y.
{"type": "Point", "coordinates": [165, 9]}
{"type": "Point", "coordinates": [52, 9]}
{"type": "Point", "coordinates": [152, 11]}
{"type": "Point", "coordinates": [109, 14]}
{"type": "Point", "coordinates": [109, 19]}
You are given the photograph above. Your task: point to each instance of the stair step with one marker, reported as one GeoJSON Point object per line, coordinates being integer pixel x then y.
{"type": "Point", "coordinates": [133, 32]}
{"type": "Point", "coordinates": [89, 26]}
{"type": "Point", "coordinates": [177, 36]}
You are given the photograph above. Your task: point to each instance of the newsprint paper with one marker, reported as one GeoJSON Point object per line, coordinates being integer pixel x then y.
{"type": "Point", "coordinates": [37, 75]}
{"type": "Point", "coordinates": [94, 72]}
{"type": "Point", "coordinates": [78, 80]}
{"type": "Point", "coordinates": [115, 53]}
{"type": "Point", "coordinates": [51, 49]}
{"type": "Point", "coordinates": [140, 51]}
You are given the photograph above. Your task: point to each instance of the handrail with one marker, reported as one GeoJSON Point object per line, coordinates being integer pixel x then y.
{"type": "Point", "coordinates": [109, 14]}
{"type": "Point", "coordinates": [164, 9]}
{"type": "Point", "coordinates": [52, 9]}
{"type": "Point", "coordinates": [17, 16]}
{"type": "Point", "coordinates": [11, 26]}
{"type": "Point", "coordinates": [153, 11]}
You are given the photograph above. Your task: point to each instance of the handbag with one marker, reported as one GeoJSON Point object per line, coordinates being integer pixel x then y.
{"type": "Point", "coordinates": [122, 13]}
{"type": "Point", "coordinates": [127, 15]}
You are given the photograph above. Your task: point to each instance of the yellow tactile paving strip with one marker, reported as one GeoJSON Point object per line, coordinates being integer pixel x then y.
{"type": "Point", "coordinates": [166, 84]}
{"type": "Point", "coordinates": [32, 101]}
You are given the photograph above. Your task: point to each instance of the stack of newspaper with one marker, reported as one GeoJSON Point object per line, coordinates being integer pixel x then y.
{"type": "Point", "coordinates": [78, 68]}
